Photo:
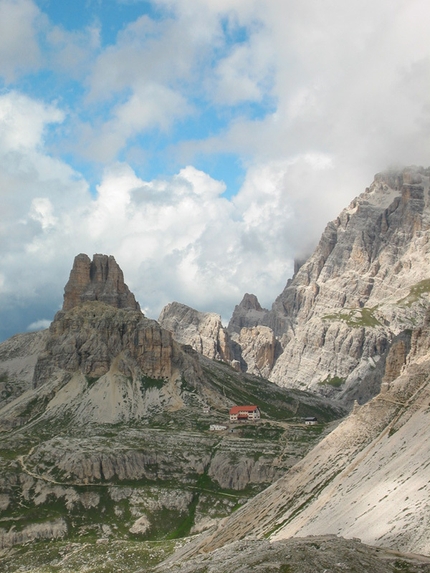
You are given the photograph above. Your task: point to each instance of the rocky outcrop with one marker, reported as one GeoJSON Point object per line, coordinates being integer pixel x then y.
{"type": "Point", "coordinates": [36, 531]}
{"type": "Point", "coordinates": [178, 457]}
{"type": "Point", "coordinates": [112, 365]}
{"type": "Point", "coordinates": [203, 331]}
{"type": "Point", "coordinates": [93, 337]}
{"type": "Point", "coordinates": [100, 279]}
{"type": "Point", "coordinates": [18, 358]}
{"type": "Point", "coordinates": [317, 554]}
{"type": "Point", "coordinates": [247, 314]}
{"type": "Point", "coordinates": [251, 348]}
{"type": "Point", "coordinates": [258, 349]}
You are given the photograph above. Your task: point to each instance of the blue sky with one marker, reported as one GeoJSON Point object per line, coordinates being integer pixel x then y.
{"type": "Point", "coordinates": [203, 143]}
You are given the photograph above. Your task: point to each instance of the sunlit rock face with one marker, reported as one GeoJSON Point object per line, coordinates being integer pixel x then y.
{"type": "Point", "coordinates": [360, 288]}
{"type": "Point", "coordinates": [101, 360]}
{"type": "Point", "coordinates": [366, 282]}
{"type": "Point", "coordinates": [203, 331]}
{"type": "Point", "coordinates": [100, 279]}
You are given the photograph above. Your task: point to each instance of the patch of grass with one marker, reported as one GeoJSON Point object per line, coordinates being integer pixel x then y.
{"type": "Point", "coordinates": [334, 381]}
{"type": "Point", "coordinates": [61, 556]}
{"type": "Point", "coordinates": [146, 382]}
{"type": "Point", "coordinates": [415, 293]}
{"type": "Point", "coordinates": [275, 403]}
{"type": "Point", "coordinates": [401, 567]}
{"type": "Point", "coordinates": [356, 317]}
{"type": "Point", "coordinates": [91, 380]}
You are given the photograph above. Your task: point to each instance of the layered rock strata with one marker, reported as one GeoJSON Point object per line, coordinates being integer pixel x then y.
{"type": "Point", "coordinates": [367, 281]}
{"type": "Point", "coordinates": [203, 331]}
{"type": "Point", "coordinates": [251, 349]}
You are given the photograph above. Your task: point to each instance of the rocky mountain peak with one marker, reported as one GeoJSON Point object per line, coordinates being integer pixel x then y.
{"type": "Point", "coordinates": [250, 302]}
{"type": "Point", "coordinates": [247, 314]}
{"type": "Point", "coordinates": [203, 331]}
{"type": "Point", "coordinates": [100, 279]}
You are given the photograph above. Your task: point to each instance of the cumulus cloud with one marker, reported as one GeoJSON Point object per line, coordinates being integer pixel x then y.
{"type": "Point", "coordinates": [340, 92]}
{"type": "Point", "coordinates": [72, 52]}
{"type": "Point", "coordinates": [176, 238]}
{"type": "Point", "coordinates": [39, 325]}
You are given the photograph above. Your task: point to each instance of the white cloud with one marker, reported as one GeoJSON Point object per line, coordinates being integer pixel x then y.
{"type": "Point", "coordinates": [39, 325]}
{"type": "Point", "coordinates": [42, 211]}
{"type": "Point", "coordinates": [176, 238]}
{"type": "Point", "coordinates": [23, 121]}
{"type": "Point", "coordinates": [19, 50]}
{"type": "Point", "coordinates": [73, 52]}
{"type": "Point", "coordinates": [150, 106]}
{"type": "Point", "coordinates": [349, 86]}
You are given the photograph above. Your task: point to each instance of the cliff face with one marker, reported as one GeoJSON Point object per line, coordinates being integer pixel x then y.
{"type": "Point", "coordinates": [245, 344]}
{"type": "Point", "coordinates": [331, 328]}
{"type": "Point", "coordinates": [101, 361]}
{"type": "Point", "coordinates": [365, 283]}
{"type": "Point", "coordinates": [203, 331]}
{"type": "Point", "coordinates": [110, 365]}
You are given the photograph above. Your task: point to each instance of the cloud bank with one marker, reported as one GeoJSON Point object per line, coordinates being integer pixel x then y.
{"type": "Point", "coordinates": [311, 98]}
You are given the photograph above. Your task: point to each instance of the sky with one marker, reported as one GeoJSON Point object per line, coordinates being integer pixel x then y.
{"type": "Point", "coordinates": [205, 144]}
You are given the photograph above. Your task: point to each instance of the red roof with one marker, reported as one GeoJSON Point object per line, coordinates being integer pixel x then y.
{"type": "Point", "coordinates": [237, 409]}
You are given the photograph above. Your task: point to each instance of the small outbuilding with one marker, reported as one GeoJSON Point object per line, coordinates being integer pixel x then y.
{"type": "Point", "coordinates": [244, 413]}
{"type": "Point", "coordinates": [217, 428]}
{"type": "Point", "coordinates": [311, 421]}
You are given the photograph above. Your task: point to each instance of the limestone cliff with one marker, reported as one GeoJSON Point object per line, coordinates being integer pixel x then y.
{"type": "Point", "coordinates": [247, 314]}
{"type": "Point", "coordinates": [365, 283]}
{"type": "Point", "coordinates": [252, 348]}
{"type": "Point", "coordinates": [203, 331]}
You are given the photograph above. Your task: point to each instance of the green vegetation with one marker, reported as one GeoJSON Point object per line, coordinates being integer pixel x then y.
{"type": "Point", "coordinates": [415, 293]}
{"type": "Point", "coordinates": [158, 467]}
{"type": "Point", "coordinates": [356, 317]}
{"type": "Point", "coordinates": [402, 566]}
{"type": "Point", "coordinates": [116, 556]}
{"type": "Point", "coordinates": [334, 381]}
{"type": "Point", "coordinates": [275, 403]}
{"type": "Point", "coordinates": [146, 382]}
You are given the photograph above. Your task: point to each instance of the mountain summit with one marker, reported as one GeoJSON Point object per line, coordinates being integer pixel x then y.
{"type": "Point", "coordinates": [100, 279]}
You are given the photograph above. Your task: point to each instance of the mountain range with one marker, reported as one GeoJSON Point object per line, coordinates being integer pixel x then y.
{"type": "Point", "coordinates": [106, 416]}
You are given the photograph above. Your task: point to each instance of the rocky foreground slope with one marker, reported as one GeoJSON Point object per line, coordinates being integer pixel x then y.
{"type": "Point", "coordinates": [367, 479]}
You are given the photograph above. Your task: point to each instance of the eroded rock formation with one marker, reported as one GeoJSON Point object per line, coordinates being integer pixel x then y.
{"type": "Point", "coordinates": [100, 279]}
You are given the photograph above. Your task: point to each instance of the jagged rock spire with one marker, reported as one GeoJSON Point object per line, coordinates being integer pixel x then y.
{"type": "Point", "coordinates": [100, 279]}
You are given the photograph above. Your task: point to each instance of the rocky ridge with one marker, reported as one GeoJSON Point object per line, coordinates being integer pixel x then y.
{"type": "Point", "coordinates": [316, 554]}
{"type": "Point", "coordinates": [203, 331]}
{"type": "Point", "coordinates": [364, 284]}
